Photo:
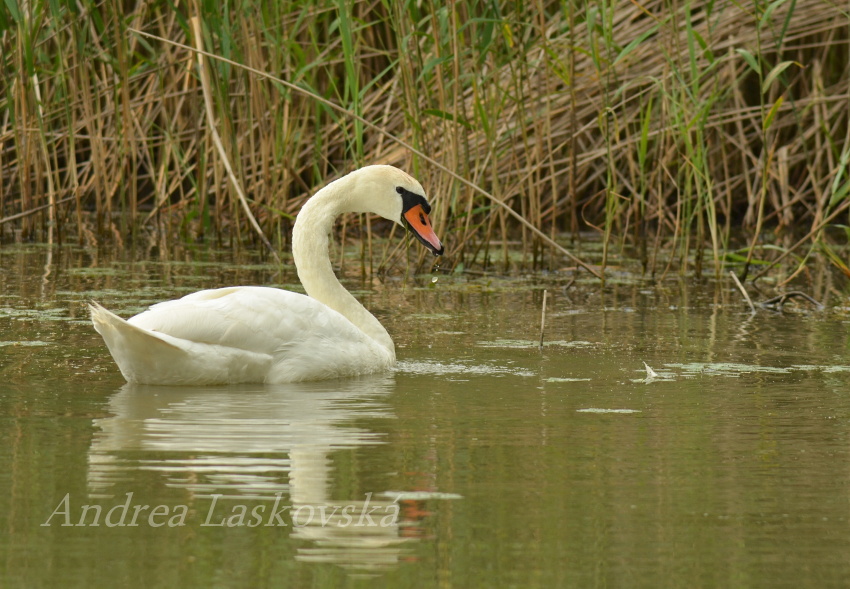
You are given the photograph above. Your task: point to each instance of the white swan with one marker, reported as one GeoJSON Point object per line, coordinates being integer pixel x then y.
{"type": "Point", "coordinates": [253, 334]}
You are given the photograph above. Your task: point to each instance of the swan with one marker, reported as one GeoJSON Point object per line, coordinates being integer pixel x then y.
{"type": "Point", "coordinates": [256, 334]}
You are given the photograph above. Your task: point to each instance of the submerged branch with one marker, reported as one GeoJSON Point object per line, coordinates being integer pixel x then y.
{"type": "Point", "coordinates": [543, 318]}
{"type": "Point", "coordinates": [780, 300]}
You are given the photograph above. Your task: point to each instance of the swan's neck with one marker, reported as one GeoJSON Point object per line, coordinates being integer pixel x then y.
{"type": "Point", "coordinates": [310, 241]}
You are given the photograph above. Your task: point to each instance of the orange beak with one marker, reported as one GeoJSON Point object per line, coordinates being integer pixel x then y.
{"type": "Point", "coordinates": [419, 223]}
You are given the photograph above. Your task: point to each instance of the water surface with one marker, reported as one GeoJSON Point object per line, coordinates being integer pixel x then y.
{"type": "Point", "coordinates": [481, 461]}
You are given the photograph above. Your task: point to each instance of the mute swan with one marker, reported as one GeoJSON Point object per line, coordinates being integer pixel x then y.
{"type": "Point", "coordinates": [254, 334]}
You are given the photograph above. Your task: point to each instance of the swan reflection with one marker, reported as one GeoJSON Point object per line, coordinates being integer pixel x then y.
{"type": "Point", "coordinates": [227, 445]}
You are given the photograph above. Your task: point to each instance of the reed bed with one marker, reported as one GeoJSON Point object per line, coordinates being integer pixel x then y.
{"type": "Point", "coordinates": [715, 131]}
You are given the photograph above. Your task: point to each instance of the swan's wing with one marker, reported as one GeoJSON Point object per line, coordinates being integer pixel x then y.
{"type": "Point", "coordinates": [157, 358]}
{"type": "Point", "coordinates": [239, 334]}
{"type": "Point", "coordinates": [253, 318]}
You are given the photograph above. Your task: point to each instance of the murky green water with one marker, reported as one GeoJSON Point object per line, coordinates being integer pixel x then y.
{"type": "Point", "coordinates": [480, 462]}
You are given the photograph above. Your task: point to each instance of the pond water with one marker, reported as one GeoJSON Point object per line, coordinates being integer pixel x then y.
{"type": "Point", "coordinates": [481, 461]}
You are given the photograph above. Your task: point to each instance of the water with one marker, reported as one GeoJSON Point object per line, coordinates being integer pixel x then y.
{"type": "Point", "coordinates": [481, 461]}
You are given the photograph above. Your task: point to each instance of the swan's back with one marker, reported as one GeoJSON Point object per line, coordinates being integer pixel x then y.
{"type": "Point", "coordinates": [239, 334]}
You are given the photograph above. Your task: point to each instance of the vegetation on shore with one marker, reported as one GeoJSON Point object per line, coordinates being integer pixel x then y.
{"type": "Point", "coordinates": [716, 130]}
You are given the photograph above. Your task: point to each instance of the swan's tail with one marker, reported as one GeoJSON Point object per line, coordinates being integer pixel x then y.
{"type": "Point", "coordinates": [151, 357]}
{"type": "Point", "coordinates": [138, 352]}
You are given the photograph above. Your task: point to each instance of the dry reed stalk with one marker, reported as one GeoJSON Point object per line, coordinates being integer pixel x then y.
{"type": "Point", "coordinates": [237, 186]}
{"type": "Point", "coordinates": [508, 98]}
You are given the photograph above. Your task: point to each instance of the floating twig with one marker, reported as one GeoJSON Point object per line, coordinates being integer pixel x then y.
{"type": "Point", "coordinates": [743, 292]}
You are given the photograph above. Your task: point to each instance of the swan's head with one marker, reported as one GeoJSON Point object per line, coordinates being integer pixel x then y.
{"type": "Point", "coordinates": [398, 197]}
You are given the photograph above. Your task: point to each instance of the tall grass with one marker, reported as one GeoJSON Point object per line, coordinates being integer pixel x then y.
{"type": "Point", "coordinates": [705, 128]}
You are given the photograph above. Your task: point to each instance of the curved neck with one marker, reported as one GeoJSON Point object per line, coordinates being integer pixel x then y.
{"type": "Point", "coordinates": [310, 241]}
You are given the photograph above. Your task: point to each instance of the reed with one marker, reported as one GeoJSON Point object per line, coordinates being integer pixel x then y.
{"type": "Point", "coordinates": [715, 127]}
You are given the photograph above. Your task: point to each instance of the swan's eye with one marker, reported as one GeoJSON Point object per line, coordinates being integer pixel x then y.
{"type": "Point", "coordinates": [411, 199]}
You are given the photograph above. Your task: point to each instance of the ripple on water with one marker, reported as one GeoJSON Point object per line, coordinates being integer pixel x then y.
{"type": "Point", "coordinates": [732, 369]}
{"type": "Point", "coordinates": [458, 368]}
{"type": "Point", "coordinates": [418, 495]}
{"type": "Point", "coordinates": [600, 410]}
{"type": "Point", "coordinates": [521, 343]}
